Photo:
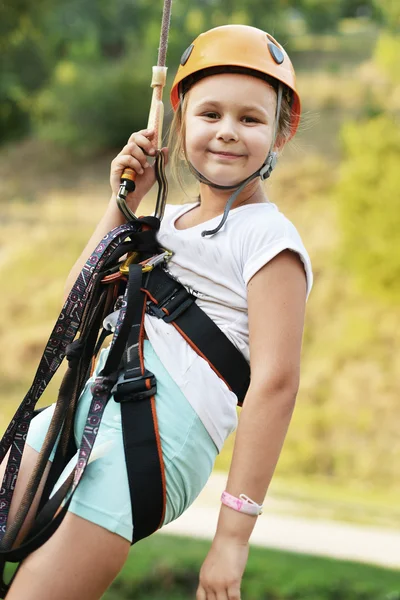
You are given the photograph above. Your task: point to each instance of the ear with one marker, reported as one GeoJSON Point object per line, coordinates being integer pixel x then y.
{"type": "Point", "coordinates": [279, 144]}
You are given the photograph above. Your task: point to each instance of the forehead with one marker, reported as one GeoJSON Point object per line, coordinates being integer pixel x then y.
{"type": "Point", "coordinates": [233, 88]}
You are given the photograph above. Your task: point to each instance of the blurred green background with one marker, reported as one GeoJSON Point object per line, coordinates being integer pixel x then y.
{"type": "Point", "coordinates": [75, 83]}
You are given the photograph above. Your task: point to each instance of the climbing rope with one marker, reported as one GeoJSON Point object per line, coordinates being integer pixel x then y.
{"type": "Point", "coordinates": [155, 122]}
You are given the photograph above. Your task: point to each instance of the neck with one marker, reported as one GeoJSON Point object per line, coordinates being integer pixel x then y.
{"type": "Point", "coordinates": [213, 201]}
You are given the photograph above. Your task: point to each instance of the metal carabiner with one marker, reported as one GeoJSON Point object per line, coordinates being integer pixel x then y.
{"type": "Point", "coordinates": [147, 265]}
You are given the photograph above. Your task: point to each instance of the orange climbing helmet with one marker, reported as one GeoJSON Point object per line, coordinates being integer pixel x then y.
{"type": "Point", "coordinates": [239, 46]}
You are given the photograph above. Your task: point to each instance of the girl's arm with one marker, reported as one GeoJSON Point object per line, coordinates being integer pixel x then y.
{"type": "Point", "coordinates": [276, 305]}
{"type": "Point", "coordinates": [133, 155]}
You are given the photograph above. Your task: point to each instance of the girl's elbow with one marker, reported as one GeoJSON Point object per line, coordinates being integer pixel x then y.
{"type": "Point", "coordinates": [282, 388]}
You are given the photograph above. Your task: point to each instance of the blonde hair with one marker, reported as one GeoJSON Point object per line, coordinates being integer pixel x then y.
{"type": "Point", "coordinates": [177, 134]}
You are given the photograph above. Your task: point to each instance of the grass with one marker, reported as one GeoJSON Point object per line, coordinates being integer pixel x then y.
{"type": "Point", "coordinates": [167, 568]}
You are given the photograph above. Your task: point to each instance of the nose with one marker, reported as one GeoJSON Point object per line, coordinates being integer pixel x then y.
{"type": "Point", "coordinates": [227, 130]}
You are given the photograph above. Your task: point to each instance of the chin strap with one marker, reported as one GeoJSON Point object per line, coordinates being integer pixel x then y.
{"type": "Point", "coordinates": [229, 204]}
{"type": "Point", "coordinates": [263, 172]}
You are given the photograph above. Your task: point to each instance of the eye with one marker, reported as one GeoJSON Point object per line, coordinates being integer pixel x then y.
{"type": "Point", "coordinates": [210, 115]}
{"type": "Point", "coordinates": [250, 120]}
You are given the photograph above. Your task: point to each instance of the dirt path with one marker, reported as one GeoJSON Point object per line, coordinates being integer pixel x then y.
{"type": "Point", "coordinates": [320, 537]}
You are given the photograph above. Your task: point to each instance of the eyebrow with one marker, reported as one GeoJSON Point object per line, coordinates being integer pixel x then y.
{"type": "Point", "coordinates": [216, 104]}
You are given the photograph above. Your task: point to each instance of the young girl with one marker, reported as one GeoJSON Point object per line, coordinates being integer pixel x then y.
{"type": "Point", "coordinates": [236, 106]}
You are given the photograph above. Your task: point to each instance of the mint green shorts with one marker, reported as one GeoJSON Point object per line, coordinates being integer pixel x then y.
{"type": "Point", "coordinates": [103, 494]}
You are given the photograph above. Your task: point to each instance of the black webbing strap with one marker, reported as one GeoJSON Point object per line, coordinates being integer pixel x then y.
{"type": "Point", "coordinates": [169, 300]}
{"type": "Point", "coordinates": [148, 498]}
{"type": "Point", "coordinates": [135, 391]}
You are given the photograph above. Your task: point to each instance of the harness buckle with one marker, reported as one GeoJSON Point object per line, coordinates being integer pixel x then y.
{"type": "Point", "coordinates": [134, 389]}
{"type": "Point", "coordinates": [172, 307]}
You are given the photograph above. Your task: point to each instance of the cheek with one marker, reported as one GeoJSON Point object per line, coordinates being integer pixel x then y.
{"type": "Point", "coordinates": [196, 135]}
{"type": "Point", "coordinates": [259, 142]}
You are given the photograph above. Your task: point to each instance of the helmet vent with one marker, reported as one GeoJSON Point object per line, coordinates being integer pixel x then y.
{"type": "Point", "coordinates": [185, 56]}
{"type": "Point", "coordinates": [276, 53]}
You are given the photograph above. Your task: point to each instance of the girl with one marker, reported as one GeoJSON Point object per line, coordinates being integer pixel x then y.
{"type": "Point", "coordinates": [236, 106]}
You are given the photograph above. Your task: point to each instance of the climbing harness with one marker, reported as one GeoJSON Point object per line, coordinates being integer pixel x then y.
{"type": "Point", "coordinates": [102, 288]}
{"type": "Point", "coordinates": [111, 295]}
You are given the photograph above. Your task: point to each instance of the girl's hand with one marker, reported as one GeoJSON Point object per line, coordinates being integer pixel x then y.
{"type": "Point", "coordinates": [222, 571]}
{"type": "Point", "coordinates": [134, 155]}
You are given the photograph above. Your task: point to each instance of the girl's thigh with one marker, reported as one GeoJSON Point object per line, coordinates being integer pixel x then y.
{"type": "Point", "coordinates": [79, 562]}
{"type": "Point", "coordinates": [188, 452]}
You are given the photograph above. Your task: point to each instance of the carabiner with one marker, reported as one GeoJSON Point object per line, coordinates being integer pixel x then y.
{"type": "Point", "coordinates": [147, 265]}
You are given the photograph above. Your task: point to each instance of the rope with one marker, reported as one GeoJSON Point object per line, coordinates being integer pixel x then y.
{"type": "Point", "coordinates": [165, 25]}
{"type": "Point", "coordinates": [155, 122]}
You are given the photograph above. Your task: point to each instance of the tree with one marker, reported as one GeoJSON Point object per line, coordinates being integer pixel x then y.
{"type": "Point", "coordinates": [369, 205]}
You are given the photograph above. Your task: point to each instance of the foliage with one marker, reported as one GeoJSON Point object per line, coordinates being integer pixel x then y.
{"type": "Point", "coordinates": [367, 192]}
{"type": "Point", "coordinates": [24, 64]}
{"type": "Point", "coordinates": [164, 567]}
{"type": "Point", "coordinates": [113, 101]}
{"type": "Point", "coordinates": [321, 16]}
{"type": "Point", "coordinates": [36, 40]}
{"type": "Point", "coordinates": [386, 56]}
{"type": "Point", "coordinates": [369, 205]}
{"type": "Point", "coordinates": [390, 12]}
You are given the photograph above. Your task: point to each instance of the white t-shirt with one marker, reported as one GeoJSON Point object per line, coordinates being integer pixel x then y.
{"type": "Point", "coordinates": [217, 269]}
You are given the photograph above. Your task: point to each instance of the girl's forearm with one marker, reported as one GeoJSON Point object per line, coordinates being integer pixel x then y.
{"type": "Point", "coordinates": [111, 218]}
{"type": "Point", "coordinates": [262, 429]}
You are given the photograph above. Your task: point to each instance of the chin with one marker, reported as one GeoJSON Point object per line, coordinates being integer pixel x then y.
{"type": "Point", "coordinates": [223, 178]}
{"type": "Point", "coordinates": [225, 181]}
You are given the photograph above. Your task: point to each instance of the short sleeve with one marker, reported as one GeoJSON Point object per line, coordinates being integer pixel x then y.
{"type": "Point", "coordinates": [266, 239]}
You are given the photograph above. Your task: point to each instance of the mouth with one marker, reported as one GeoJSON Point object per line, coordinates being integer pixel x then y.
{"type": "Point", "coordinates": [226, 155]}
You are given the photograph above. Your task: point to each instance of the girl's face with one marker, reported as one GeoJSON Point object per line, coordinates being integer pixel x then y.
{"type": "Point", "coordinates": [229, 126]}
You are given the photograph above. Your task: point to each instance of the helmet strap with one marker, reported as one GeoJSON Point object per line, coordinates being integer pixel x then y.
{"type": "Point", "coordinates": [229, 204]}
{"type": "Point", "coordinates": [272, 158]}
{"type": "Point", "coordinates": [206, 181]}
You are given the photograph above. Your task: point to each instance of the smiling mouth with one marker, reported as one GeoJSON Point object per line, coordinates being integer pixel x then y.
{"type": "Point", "coordinates": [226, 154]}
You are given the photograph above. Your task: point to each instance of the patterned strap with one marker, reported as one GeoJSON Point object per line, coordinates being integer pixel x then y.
{"type": "Point", "coordinates": [101, 389]}
{"type": "Point", "coordinates": [63, 334]}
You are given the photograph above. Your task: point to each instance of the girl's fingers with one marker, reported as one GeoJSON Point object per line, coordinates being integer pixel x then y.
{"type": "Point", "coordinates": [139, 149]}
{"type": "Point", "coordinates": [201, 593]}
{"type": "Point", "coordinates": [142, 142]}
{"type": "Point", "coordinates": [143, 139]}
{"type": "Point", "coordinates": [234, 593]}
{"type": "Point", "coordinates": [148, 133]}
{"type": "Point", "coordinates": [136, 152]}
{"type": "Point", "coordinates": [128, 161]}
